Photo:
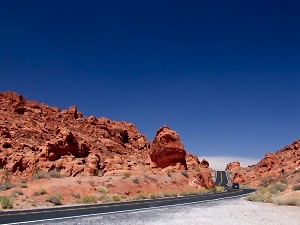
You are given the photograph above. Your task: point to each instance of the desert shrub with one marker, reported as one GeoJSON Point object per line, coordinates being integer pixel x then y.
{"type": "Point", "coordinates": [274, 189]}
{"type": "Point", "coordinates": [41, 174]}
{"type": "Point", "coordinates": [146, 177]}
{"type": "Point", "coordinates": [169, 173]}
{"type": "Point", "coordinates": [102, 190]}
{"type": "Point", "coordinates": [190, 192]}
{"type": "Point", "coordinates": [15, 193]}
{"type": "Point", "coordinates": [262, 195]}
{"type": "Point", "coordinates": [155, 195]}
{"type": "Point", "coordinates": [23, 184]}
{"type": "Point", "coordinates": [220, 189]}
{"type": "Point", "coordinates": [140, 196]}
{"type": "Point", "coordinates": [284, 175]}
{"type": "Point", "coordinates": [170, 193]}
{"type": "Point", "coordinates": [6, 186]}
{"type": "Point", "coordinates": [212, 189]}
{"type": "Point", "coordinates": [116, 198]}
{"type": "Point", "coordinates": [185, 174]}
{"type": "Point", "coordinates": [41, 191]}
{"type": "Point", "coordinates": [5, 202]}
{"type": "Point", "coordinates": [293, 199]}
{"type": "Point", "coordinates": [285, 181]}
{"type": "Point", "coordinates": [53, 174]}
{"type": "Point", "coordinates": [76, 195]}
{"type": "Point", "coordinates": [126, 175]}
{"type": "Point", "coordinates": [267, 182]}
{"type": "Point", "coordinates": [104, 198]}
{"type": "Point", "coordinates": [136, 180]}
{"type": "Point", "coordinates": [92, 183]}
{"type": "Point", "coordinates": [296, 187]}
{"type": "Point", "coordinates": [88, 199]}
{"type": "Point", "coordinates": [297, 170]}
{"type": "Point", "coordinates": [53, 199]}
{"type": "Point", "coordinates": [79, 181]}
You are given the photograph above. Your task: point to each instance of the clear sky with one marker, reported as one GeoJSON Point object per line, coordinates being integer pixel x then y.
{"type": "Point", "coordinates": [224, 74]}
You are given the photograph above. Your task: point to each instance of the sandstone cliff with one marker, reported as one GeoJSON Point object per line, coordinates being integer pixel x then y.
{"type": "Point", "coordinates": [38, 138]}
{"type": "Point", "coordinates": [282, 165]}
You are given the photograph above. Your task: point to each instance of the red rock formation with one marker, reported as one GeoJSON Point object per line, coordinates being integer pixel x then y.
{"type": "Point", "coordinates": [282, 163]}
{"type": "Point", "coordinates": [37, 137]}
{"type": "Point", "coordinates": [233, 166]}
{"type": "Point", "coordinates": [167, 149]}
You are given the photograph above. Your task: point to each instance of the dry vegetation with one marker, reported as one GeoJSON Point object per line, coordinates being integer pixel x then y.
{"type": "Point", "coordinates": [277, 193]}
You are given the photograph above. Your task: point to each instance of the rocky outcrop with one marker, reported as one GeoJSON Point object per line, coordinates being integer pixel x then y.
{"type": "Point", "coordinates": [278, 166]}
{"type": "Point", "coordinates": [37, 137]}
{"type": "Point", "coordinates": [233, 166]}
{"type": "Point", "coordinates": [167, 149]}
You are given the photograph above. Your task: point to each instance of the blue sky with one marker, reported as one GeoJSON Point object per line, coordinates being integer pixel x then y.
{"type": "Point", "coordinates": [224, 74]}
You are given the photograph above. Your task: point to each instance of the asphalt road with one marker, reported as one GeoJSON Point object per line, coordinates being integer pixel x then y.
{"type": "Point", "coordinates": [27, 216]}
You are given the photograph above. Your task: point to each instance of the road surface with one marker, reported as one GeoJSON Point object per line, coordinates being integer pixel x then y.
{"type": "Point", "coordinates": [50, 214]}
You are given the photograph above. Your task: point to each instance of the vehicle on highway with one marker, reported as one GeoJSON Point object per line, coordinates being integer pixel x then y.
{"type": "Point", "coordinates": [235, 185]}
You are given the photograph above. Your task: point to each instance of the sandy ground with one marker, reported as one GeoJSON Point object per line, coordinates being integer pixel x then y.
{"type": "Point", "coordinates": [235, 211]}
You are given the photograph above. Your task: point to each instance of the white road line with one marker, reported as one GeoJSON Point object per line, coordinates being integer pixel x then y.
{"type": "Point", "coordinates": [125, 211]}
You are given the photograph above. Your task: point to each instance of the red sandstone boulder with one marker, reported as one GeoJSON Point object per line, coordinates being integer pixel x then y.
{"type": "Point", "coordinates": [167, 149]}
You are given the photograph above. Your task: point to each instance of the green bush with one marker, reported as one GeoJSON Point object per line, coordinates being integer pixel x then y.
{"type": "Point", "coordinates": [116, 198]}
{"type": "Point", "coordinates": [5, 202]}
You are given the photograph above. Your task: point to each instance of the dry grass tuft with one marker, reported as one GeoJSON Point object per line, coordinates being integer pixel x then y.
{"type": "Point", "coordinates": [88, 199]}
{"type": "Point", "coordinates": [292, 199]}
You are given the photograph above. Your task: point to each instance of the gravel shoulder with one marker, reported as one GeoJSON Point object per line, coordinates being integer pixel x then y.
{"type": "Point", "coordinates": [235, 211]}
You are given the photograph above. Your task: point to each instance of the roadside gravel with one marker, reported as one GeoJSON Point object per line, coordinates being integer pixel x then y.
{"type": "Point", "coordinates": [235, 211]}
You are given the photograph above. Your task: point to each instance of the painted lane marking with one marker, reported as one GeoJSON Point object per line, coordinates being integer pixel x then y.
{"type": "Point", "coordinates": [221, 178]}
{"type": "Point", "coordinates": [126, 211]}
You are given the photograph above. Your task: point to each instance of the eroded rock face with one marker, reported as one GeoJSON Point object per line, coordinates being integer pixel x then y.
{"type": "Point", "coordinates": [278, 166]}
{"type": "Point", "coordinates": [167, 149]}
{"type": "Point", "coordinates": [37, 137]}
